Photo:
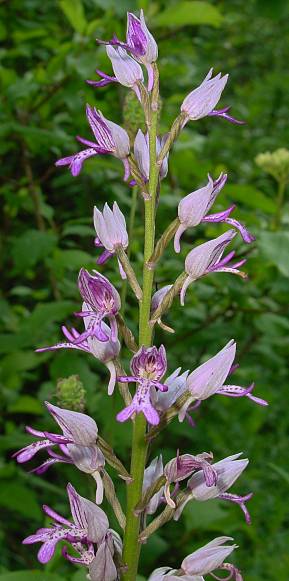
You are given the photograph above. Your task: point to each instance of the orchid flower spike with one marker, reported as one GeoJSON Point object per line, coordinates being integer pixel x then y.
{"type": "Point", "coordinates": [227, 472]}
{"type": "Point", "coordinates": [207, 258]}
{"type": "Point", "coordinates": [110, 227]}
{"type": "Point", "coordinates": [148, 366]}
{"type": "Point", "coordinates": [202, 100]}
{"type": "Point", "coordinates": [109, 138]}
{"type": "Point", "coordinates": [89, 527]}
{"type": "Point", "coordinates": [105, 351]}
{"type": "Point", "coordinates": [193, 209]}
{"type": "Point", "coordinates": [208, 379]}
{"type": "Point", "coordinates": [142, 156]}
{"type": "Point", "coordinates": [103, 301]}
{"type": "Point", "coordinates": [77, 445]}
{"type": "Point", "coordinates": [203, 561]}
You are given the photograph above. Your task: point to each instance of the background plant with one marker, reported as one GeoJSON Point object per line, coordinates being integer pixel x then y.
{"type": "Point", "coordinates": [49, 51]}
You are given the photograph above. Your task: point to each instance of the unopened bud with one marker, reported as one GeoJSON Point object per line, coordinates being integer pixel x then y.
{"type": "Point", "coordinates": [70, 393]}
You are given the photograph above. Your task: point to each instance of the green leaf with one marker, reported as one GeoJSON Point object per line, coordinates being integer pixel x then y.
{"type": "Point", "coordinates": [20, 499]}
{"type": "Point", "coordinates": [32, 247]}
{"type": "Point", "coordinates": [275, 247]}
{"type": "Point", "coordinates": [74, 12]}
{"type": "Point", "coordinates": [26, 404]}
{"type": "Point", "coordinates": [32, 575]}
{"type": "Point", "coordinates": [203, 515]}
{"type": "Point", "coordinates": [250, 196]}
{"type": "Point", "coordinates": [187, 13]}
{"type": "Point", "coordinates": [280, 471]}
{"type": "Point", "coordinates": [80, 575]}
{"type": "Point", "coordinates": [71, 259]}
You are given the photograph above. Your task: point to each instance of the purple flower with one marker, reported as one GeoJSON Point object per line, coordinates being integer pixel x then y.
{"type": "Point", "coordinates": [207, 258]}
{"type": "Point", "coordinates": [109, 138]}
{"type": "Point", "coordinates": [210, 557]}
{"type": "Point", "coordinates": [105, 351]}
{"type": "Point", "coordinates": [142, 156]}
{"type": "Point", "coordinates": [103, 301]}
{"type": "Point", "coordinates": [228, 471]}
{"type": "Point", "coordinates": [148, 366]}
{"type": "Point", "coordinates": [140, 43]}
{"type": "Point", "coordinates": [77, 445]}
{"type": "Point", "coordinates": [201, 562]}
{"type": "Point", "coordinates": [208, 379]}
{"type": "Point", "coordinates": [194, 207]}
{"type": "Point", "coordinates": [177, 385]}
{"type": "Point", "coordinates": [103, 566]}
{"type": "Point", "coordinates": [139, 37]}
{"type": "Point", "coordinates": [110, 227]}
{"type": "Point", "coordinates": [127, 71]}
{"type": "Point", "coordinates": [90, 525]}
{"type": "Point", "coordinates": [183, 466]}
{"type": "Point", "coordinates": [202, 100]}
{"type": "Point", "coordinates": [106, 255]}
{"type": "Point", "coordinates": [151, 475]}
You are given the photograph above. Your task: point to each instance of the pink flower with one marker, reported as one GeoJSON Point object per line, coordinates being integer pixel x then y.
{"type": "Point", "coordinates": [202, 100]}
{"type": "Point", "coordinates": [194, 207]}
{"type": "Point", "coordinates": [148, 365]}
{"type": "Point", "coordinates": [207, 258]}
{"type": "Point", "coordinates": [110, 227]}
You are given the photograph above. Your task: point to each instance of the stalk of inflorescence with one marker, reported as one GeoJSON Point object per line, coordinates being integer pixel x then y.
{"type": "Point", "coordinates": [131, 549]}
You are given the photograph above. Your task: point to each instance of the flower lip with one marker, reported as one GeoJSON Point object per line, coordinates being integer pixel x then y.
{"type": "Point", "coordinates": [149, 363]}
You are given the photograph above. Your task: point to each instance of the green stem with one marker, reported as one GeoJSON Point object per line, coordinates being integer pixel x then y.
{"type": "Point", "coordinates": [280, 201]}
{"type": "Point", "coordinates": [131, 550]}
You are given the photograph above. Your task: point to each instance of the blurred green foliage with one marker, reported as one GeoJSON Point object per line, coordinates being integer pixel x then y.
{"type": "Point", "coordinates": [48, 50]}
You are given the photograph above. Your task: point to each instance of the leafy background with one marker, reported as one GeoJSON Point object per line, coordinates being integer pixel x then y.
{"type": "Point", "coordinates": [47, 53]}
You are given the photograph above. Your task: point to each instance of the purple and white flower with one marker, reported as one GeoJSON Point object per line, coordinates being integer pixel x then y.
{"type": "Point", "coordinates": [103, 301]}
{"type": "Point", "coordinates": [228, 471]}
{"type": "Point", "coordinates": [151, 475]}
{"type": "Point", "coordinates": [142, 156]}
{"type": "Point", "coordinates": [110, 227]}
{"type": "Point", "coordinates": [77, 444]}
{"type": "Point", "coordinates": [138, 35]}
{"type": "Point", "coordinates": [209, 379]}
{"type": "Point", "coordinates": [203, 561]}
{"type": "Point", "coordinates": [105, 351]}
{"type": "Point", "coordinates": [127, 71]}
{"type": "Point", "coordinates": [88, 534]}
{"type": "Point", "coordinates": [202, 100]}
{"type": "Point", "coordinates": [183, 466]}
{"type": "Point", "coordinates": [103, 565]}
{"type": "Point", "coordinates": [193, 209]}
{"type": "Point", "coordinates": [142, 46]}
{"type": "Point", "coordinates": [109, 138]}
{"type": "Point", "coordinates": [207, 258]}
{"type": "Point", "coordinates": [148, 366]}
{"type": "Point", "coordinates": [177, 385]}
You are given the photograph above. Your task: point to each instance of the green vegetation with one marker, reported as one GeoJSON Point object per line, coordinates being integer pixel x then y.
{"type": "Point", "coordinates": [48, 50]}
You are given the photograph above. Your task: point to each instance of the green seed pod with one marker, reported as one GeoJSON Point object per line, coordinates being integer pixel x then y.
{"type": "Point", "coordinates": [70, 393]}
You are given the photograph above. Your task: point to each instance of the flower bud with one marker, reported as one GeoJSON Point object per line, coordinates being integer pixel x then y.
{"type": "Point", "coordinates": [202, 100]}
{"type": "Point", "coordinates": [127, 71]}
{"type": "Point", "coordinates": [70, 393]}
